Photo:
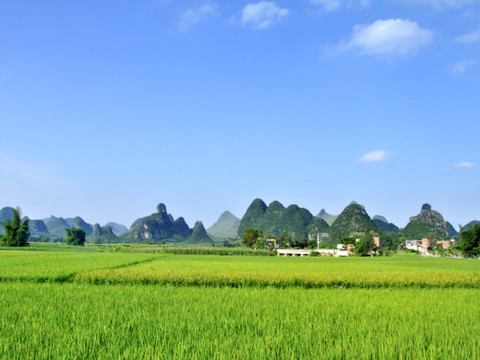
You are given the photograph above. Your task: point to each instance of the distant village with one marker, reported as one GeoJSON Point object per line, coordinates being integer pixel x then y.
{"type": "Point", "coordinates": [423, 247]}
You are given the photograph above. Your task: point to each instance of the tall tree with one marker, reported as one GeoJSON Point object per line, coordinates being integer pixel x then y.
{"type": "Point", "coordinates": [75, 236]}
{"type": "Point", "coordinates": [16, 231]}
{"type": "Point", "coordinates": [250, 236]}
{"type": "Point", "coordinates": [366, 245]}
{"type": "Point", "coordinates": [470, 241]}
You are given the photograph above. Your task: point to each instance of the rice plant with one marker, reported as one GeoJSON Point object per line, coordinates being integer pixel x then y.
{"type": "Point", "coordinates": [74, 321]}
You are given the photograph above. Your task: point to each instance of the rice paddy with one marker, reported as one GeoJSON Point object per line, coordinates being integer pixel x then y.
{"type": "Point", "coordinates": [93, 305]}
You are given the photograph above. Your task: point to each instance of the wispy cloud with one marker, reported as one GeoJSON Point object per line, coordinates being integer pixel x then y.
{"type": "Point", "coordinates": [17, 172]}
{"type": "Point", "coordinates": [375, 156]}
{"type": "Point", "coordinates": [332, 5]}
{"type": "Point", "coordinates": [394, 36]}
{"type": "Point", "coordinates": [262, 15]}
{"type": "Point", "coordinates": [442, 4]}
{"type": "Point", "coordinates": [328, 5]}
{"type": "Point", "coordinates": [461, 66]}
{"type": "Point", "coordinates": [469, 38]}
{"type": "Point", "coordinates": [191, 17]}
{"type": "Point", "coordinates": [465, 165]}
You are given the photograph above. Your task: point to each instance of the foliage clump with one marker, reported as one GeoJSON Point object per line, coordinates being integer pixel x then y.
{"type": "Point", "coordinates": [470, 241]}
{"type": "Point", "coordinates": [75, 236]}
{"type": "Point", "coordinates": [251, 236]}
{"type": "Point", "coordinates": [366, 245]}
{"type": "Point", "coordinates": [16, 232]}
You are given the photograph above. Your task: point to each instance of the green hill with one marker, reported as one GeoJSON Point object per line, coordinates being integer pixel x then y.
{"type": "Point", "coordinates": [471, 224]}
{"type": "Point", "coordinates": [78, 222]}
{"type": "Point", "coordinates": [37, 226]}
{"type": "Point", "coordinates": [252, 216]}
{"type": "Point", "coordinates": [56, 226]}
{"type": "Point", "coordinates": [118, 229]}
{"type": "Point", "coordinates": [353, 220]}
{"type": "Point", "coordinates": [382, 224]}
{"type": "Point", "coordinates": [158, 227]}
{"type": "Point", "coordinates": [199, 235]}
{"type": "Point", "coordinates": [426, 222]}
{"type": "Point", "coordinates": [317, 226]}
{"type": "Point", "coordinates": [276, 219]}
{"type": "Point", "coordinates": [452, 232]}
{"type": "Point", "coordinates": [273, 220]}
{"type": "Point", "coordinates": [103, 235]}
{"type": "Point", "coordinates": [226, 227]}
{"type": "Point", "coordinates": [329, 219]}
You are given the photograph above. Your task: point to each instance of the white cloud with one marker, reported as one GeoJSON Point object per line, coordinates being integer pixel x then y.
{"type": "Point", "coordinates": [469, 38]}
{"type": "Point", "coordinates": [465, 165]}
{"type": "Point", "coordinates": [461, 66]}
{"type": "Point", "coordinates": [332, 5]}
{"type": "Point", "coordinates": [374, 156]}
{"type": "Point", "coordinates": [262, 15]}
{"type": "Point", "coordinates": [192, 17]}
{"type": "Point", "coordinates": [394, 36]}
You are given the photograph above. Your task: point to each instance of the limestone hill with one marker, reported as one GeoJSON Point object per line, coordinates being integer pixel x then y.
{"type": "Point", "coordinates": [158, 227]}
{"type": "Point", "coordinates": [426, 222]}
{"type": "Point", "coordinates": [103, 235]}
{"type": "Point", "coordinates": [382, 224]}
{"type": "Point", "coordinates": [199, 235]}
{"type": "Point", "coordinates": [353, 220]}
{"type": "Point", "coordinates": [329, 219]}
{"type": "Point", "coordinates": [276, 219]}
{"type": "Point", "coordinates": [225, 227]}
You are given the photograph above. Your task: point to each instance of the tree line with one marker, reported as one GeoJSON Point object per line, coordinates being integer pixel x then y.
{"type": "Point", "coordinates": [364, 244]}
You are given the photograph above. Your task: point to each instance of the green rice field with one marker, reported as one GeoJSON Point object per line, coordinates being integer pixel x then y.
{"type": "Point", "coordinates": [99, 305]}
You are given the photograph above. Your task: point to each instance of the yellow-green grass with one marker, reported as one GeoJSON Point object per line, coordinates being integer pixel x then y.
{"type": "Point", "coordinates": [74, 321]}
{"type": "Point", "coordinates": [380, 272]}
{"type": "Point", "coordinates": [60, 265]}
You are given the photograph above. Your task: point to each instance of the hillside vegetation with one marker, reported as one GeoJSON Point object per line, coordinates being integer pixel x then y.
{"type": "Point", "coordinates": [353, 220]}
{"type": "Point", "coordinates": [428, 221]}
{"type": "Point", "coordinates": [277, 219]}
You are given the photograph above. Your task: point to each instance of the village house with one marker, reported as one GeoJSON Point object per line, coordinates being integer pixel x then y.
{"type": "Point", "coordinates": [446, 243]}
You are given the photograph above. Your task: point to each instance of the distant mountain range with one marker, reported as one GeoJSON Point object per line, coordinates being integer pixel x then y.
{"type": "Point", "coordinates": [353, 220]}
{"type": "Point", "coordinates": [161, 226]}
{"type": "Point", "coordinates": [273, 219]}
{"type": "Point", "coordinates": [53, 228]}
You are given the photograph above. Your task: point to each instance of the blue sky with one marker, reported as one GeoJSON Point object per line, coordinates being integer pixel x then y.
{"type": "Point", "coordinates": [108, 108]}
